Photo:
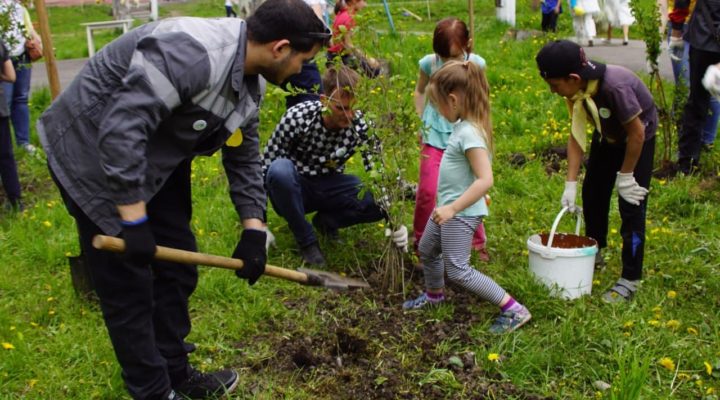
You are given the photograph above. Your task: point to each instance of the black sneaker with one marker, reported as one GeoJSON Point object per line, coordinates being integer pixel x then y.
{"type": "Point", "coordinates": [206, 386]}
{"type": "Point", "coordinates": [311, 254]}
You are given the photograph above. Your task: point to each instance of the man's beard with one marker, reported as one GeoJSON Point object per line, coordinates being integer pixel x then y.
{"type": "Point", "coordinates": [274, 72]}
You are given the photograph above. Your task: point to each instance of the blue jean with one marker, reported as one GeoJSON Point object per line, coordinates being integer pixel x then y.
{"type": "Point", "coordinates": [17, 95]}
{"type": "Point", "coordinates": [335, 197]}
{"type": "Point", "coordinates": [681, 71]}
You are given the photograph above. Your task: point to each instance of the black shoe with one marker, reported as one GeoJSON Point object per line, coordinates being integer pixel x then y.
{"type": "Point", "coordinates": [311, 254]}
{"type": "Point", "coordinates": [15, 206]}
{"type": "Point", "coordinates": [204, 386]}
{"type": "Point", "coordinates": [325, 229]}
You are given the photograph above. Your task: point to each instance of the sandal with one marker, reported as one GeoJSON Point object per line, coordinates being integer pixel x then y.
{"type": "Point", "coordinates": [623, 290]}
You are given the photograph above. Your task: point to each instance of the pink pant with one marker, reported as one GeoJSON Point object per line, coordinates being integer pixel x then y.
{"type": "Point", "coordinates": [426, 199]}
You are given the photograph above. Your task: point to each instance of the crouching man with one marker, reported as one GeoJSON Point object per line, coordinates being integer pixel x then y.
{"type": "Point", "coordinates": [304, 162]}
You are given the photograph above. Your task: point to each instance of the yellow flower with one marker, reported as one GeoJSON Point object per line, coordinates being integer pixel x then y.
{"type": "Point", "coordinates": [596, 282]}
{"type": "Point", "coordinates": [494, 357]}
{"type": "Point", "coordinates": [710, 390]}
{"type": "Point", "coordinates": [629, 324]}
{"type": "Point", "coordinates": [692, 330]}
{"type": "Point", "coordinates": [654, 322]}
{"type": "Point", "coordinates": [708, 368]}
{"type": "Point", "coordinates": [32, 382]}
{"type": "Point", "coordinates": [671, 294]}
{"type": "Point", "coordinates": [7, 346]}
{"type": "Point", "coordinates": [672, 324]}
{"type": "Point", "coordinates": [667, 363]}
{"type": "Point", "coordinates": [47, 223]}
{"type": "Point", "coordinates": [683, 376]}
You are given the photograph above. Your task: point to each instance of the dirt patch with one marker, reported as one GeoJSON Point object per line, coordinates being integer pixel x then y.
{"type": "Point", "coordinates": [365, 347]}
{"type": "Point", "coordinates": [567, 241]}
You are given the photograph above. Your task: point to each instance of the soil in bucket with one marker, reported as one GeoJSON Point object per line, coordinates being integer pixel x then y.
{"type": "Point", "coordinates": [567, 241]}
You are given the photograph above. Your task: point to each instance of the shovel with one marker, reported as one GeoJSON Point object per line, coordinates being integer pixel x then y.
{"type": "Point", "coordinates": [303, 276]}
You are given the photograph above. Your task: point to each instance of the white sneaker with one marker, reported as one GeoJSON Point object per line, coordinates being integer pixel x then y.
{"type": "Point", "coordinates": [29, 148]}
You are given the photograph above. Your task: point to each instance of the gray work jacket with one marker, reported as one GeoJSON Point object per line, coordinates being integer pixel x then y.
{"type": "Point", "coordinates": [158, 95]}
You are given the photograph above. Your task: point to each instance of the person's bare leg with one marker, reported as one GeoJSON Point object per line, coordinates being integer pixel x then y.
{"type": "Point", "coordinates": [626, 30]}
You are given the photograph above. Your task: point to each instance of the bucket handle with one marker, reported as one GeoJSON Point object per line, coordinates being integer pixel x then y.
{"type": "Point", "coordinates": [577, 211]}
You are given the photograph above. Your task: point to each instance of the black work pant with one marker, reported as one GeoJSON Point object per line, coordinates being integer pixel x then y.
{"type": "Point", "coordinates": [696, 110]}
{"type": "Point", "coordinates": [549, 22]}
{"type": "Point", "coordinates": [145, 307]}
{"type": "Point", "coordinates": [604, 163]}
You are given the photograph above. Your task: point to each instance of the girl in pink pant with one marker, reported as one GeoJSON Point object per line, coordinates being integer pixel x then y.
{"type": "Point", "coordinates": [451, 41]}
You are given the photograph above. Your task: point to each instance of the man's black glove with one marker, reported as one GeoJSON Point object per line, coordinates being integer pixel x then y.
{"type": "Point", "coordinates": [140, 244]}
{"type": "Point", "coordinates": [251, 250]}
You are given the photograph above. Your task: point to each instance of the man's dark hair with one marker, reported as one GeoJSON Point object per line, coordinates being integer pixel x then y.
{"type": "Point", "coordinates": [293, 20]}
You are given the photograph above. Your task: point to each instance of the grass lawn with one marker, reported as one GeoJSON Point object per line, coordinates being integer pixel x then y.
{"type": "Point", "coordinates": [289, 341]}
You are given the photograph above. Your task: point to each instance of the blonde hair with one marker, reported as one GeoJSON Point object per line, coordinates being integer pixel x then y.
{"type": "Point", "coordinates": [470, 80]}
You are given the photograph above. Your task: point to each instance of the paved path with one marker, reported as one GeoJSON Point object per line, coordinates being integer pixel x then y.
{"type": "Point", "coordinates": [631, 56]}
{"type": "Point", "coordinates": [67, 69]}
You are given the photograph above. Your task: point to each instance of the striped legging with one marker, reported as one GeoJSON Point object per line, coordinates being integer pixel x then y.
{"type": "Point", "coordinates": [446, 248]}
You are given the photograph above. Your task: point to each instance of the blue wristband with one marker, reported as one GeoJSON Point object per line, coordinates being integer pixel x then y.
{"type": "Point", "coordinates": [136, 222]}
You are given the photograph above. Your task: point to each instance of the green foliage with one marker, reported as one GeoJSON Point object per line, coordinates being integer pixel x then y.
{"type": "Point", "coordinates": [647, 15]}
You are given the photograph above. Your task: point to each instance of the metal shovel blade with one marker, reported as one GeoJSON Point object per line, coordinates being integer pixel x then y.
{"type": "Point", "coordinates": [332, 280]}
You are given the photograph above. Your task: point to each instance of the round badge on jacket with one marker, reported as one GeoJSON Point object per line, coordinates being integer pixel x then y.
{"type": "Point", "coordinates": [604, 112]}
{"type": "Point", "coordinates": [199, 125]}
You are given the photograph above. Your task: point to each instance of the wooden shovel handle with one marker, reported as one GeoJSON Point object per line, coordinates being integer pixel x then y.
{"type": "Point", "coordinates": [117, 245]}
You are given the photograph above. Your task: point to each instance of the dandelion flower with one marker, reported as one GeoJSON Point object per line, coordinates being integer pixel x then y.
{"type": "Point", "coordinates": [47, 224]}
{"type": "Point", "coordinates": [710, 390]}
{"type": "Point", "coordinates": [629, 324]}
{"type": "Point", "coordinates": [671, 294]}
{"type": "Point", "coordinates": [7, 346]}
{"type": "Point", "coordinates": [32, 382]}
{"type": "Point", "coordinates": [654, 322]}
{"type": "Point", "coordinates": [494, 357]}
{"type": "Point", "coordinates": [708, 368]}
{"type": "Point", "coordinates": [692, 330]}
{"type": "Point", "coordinates": [672, 324]}
{"type": "Point", "coordinates": [667, 363]}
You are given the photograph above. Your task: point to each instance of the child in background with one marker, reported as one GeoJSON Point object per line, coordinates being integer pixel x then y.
{"type": "Point", "coordinates": [341, 44]}
{"type": "Point", "coordinates": [582, 12]}
{"type": "Point", "coordinates": [551, 9]}
{"type": "Point", "coordinates": [460, 92]}
{"type": "Point", "coordinates": [451, 41]}
{"type": "Point", "coordinates": [8, 168]}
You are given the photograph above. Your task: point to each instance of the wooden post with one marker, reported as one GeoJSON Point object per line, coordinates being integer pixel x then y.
{"type": "Point", "coordinates": [471, 20]}
{"type": "Point", "coordinates": [48, 52]}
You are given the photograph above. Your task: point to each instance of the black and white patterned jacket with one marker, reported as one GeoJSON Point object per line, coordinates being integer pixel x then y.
{"type": "Point", "coordinates": [301, 138]}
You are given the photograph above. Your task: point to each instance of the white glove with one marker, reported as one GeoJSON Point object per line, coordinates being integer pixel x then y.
{"type": "Point", "coordinates": [676, 48]}
{"type": "Point", "coordinates": [629, 189]}
{"type": "Point", "coordinates": [399, 237]}
{"type": "Point", "coordinates": [568, 196]}
{"type": "Point", "coordinates": [269, 238]}
{"type": "Point", "coordinates": [711, 80]}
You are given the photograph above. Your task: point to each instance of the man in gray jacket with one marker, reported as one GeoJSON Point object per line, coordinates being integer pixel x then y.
{"type": "Point", "coordinates": [120, 141]}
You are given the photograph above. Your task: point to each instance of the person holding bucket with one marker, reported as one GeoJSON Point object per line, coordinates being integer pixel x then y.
{"type": "Point", "coordinates": [622, 112]}
{"type": "Point", "coordinates": [460, 92]}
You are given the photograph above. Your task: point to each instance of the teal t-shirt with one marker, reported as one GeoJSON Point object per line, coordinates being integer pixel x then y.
{"type": "Point", "coordinates": [456, 174]}
{"type": "Point", "coordinates": [437, 129]}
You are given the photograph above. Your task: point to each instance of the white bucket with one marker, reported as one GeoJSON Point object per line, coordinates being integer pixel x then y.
{"type": "Point", "coordinates": [568, 272]}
